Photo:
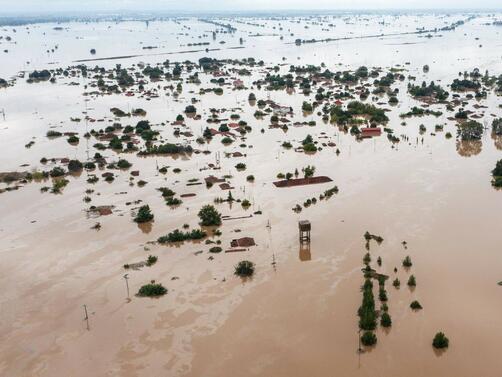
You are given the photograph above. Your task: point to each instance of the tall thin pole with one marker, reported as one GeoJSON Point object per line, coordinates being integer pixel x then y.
{"type": "Point", "coordinates": [126, 278]}
{"type": "Point", "coordinates": [86, 318]}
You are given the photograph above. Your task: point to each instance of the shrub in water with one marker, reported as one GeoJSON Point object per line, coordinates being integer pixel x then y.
{"type": "Point", "coordinates": [385, 320]}
{"type": "Point", "coordinates": [415, 305]}
{"type": "Point", "coordinates": [144, 214]}
{"type": "Point", "coordinates": [244, 268]}
{"type": "Point", "coordinates": [152, 290]}
{"type": "Point", "coordinates": [440, 341]}
{"type": "Point", "coordinates": [368, 338]}
{"type": "Point", "coordinates": [209, 216]}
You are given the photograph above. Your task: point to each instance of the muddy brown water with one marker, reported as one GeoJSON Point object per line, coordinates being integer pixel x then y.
{"type": "Point", "coordinates": [296, 317]}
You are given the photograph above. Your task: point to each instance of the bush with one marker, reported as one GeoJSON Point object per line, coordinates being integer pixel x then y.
{"type": "Point", "coordinates": [407, 262]}
{"type": "Point", "coordinates": [151, 260]}
{"type": "Point", "coordinates": [144, 214]}
{"type": "Point", "coordinates": [440, 341]}
{"type": "Point", "coordinates": [385, 320]}
{"type": "Point", "coordinates": [209, 216]}
{"type": "Point", "coordinates": [382, 294]}
{"type": "Point", "coordinates": [396, 283]}
{"type": "Point", "coordinates": [58, 185]}
{"type": "Point", "coordinates": [75, 166]}
{"type": "Point", "coordinates": [250, 178]}
{"type": "Point", "coordinates": [52, 133]}
{"type": "Point", "coordinates": [244, 268]}
{"type": "Point", "coordinates": [215, 249]}
{"type": "Point", "coordinates": [310, 147]}
{"type": "Point", "coordinates": [166, 192]}
{"type": "Point", "coordinates": [415, 305]}
{"type": "Point", "coordinates": [308, 171]}
{"type": "Point", "coordinates": [497, 174]}
{"type": "Point", "coordinates": [123, 164]}
{"type": "Point", "coordinates": [190, 109]}
{"type": "Point", "coordinates": [240, 166]}
{"type": "Point", "coordinates": [57, 172]}
{"type": "Point", "coordinates": [172, 201]}
{"type": "Point", "coordinates": [368, 338]}
{"type": "Point", "coordinates": [73, 139]}
{"type": "Point", "coordinates": [246, 203]}
{"type": "Point", "coordinates": [152, 290]}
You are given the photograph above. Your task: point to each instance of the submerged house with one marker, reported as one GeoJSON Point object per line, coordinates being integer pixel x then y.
{"type": "Point", "coordinates": [370, 132]}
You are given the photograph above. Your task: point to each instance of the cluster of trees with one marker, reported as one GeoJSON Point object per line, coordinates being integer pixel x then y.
{"type": "Point", "coordinates": [354, 108]}
{"type": "Point", "coordinates": [155, 73]}
{"type": "Point", "coordinates": [39, 75]}
{"type": "Point", "coordinates": [308, 144]}
{"type": "Point", "coordinates": [123, 78]}
{"type": "Point", "coordinates": [431, 90]}
{"type": "Point", "coordinates": [418, 111]}
{"type": "Point", "coordinates": [167, 148]}
{"type": "Point", "coordinates": [462, 85]}
{"type": "Point", "coordinates": [470, 130]}
{"type": "Point", "coordinates": [180, 236]}
{"type": "Point", "coordinates": [367, 314]}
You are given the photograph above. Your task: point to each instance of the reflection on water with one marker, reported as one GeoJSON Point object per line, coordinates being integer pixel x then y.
{"type": "Point", "coordinates": [468, 148]}
{"type": "Point", "coordinates": [304, 253]}
{"type": "Point", "coordinates": [146, 227]}
{"type": "Point", "coordinates": [497, 141]}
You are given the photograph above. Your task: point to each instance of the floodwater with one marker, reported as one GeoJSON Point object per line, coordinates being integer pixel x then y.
{"type": "Point", "coordinates": [297, 316]}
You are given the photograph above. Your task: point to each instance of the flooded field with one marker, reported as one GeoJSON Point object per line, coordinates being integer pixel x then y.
{"type": "Point", "coordinates": [403, 114]}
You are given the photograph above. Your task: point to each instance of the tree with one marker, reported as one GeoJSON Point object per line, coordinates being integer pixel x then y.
{"type": "Point", "coordinates": [415, 305]}
{"type": "Point", "coordinates": [368, 338]}
{"type": "Point", "coordinates": [209, 216]}
{"type": "Point", "coordinates": [75, 166]}
{"type": "Point", "coordinates": [440, 341]}
{"type": "Point", "coordinates": [385, 320]}
{"type": "Point", "coordinates": [497, 174]}
{"type": "Point", "coordinates": [123, 164]}
{"type": "Point", "coordinates": [470, 130]}
{"type": "Point", "coordinates": [382, 294]}
{"type": "Point", "coordinates": [144, 214]}
{"type": "Point", "coordinates": [407, 262]}
{"type": "Point", "coordinates": [190, 109]}
{"type": "Point", "coordinates": [207, 133]}
{"type": "Point", "coordinates": [411, 281]}
{"type": "Point", "coordinates": [308, 171]}
{"type": "Point", "coordinates": [244, 268]}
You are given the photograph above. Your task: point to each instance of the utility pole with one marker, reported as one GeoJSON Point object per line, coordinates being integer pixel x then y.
{"type": "Point", "coordinates": [359, 349]}
{"type": "Point", "coordinates": [126, 278]}
{"type": "Point", "coordinates": [86, 318]}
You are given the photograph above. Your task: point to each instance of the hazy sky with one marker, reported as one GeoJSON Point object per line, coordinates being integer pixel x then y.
{"type": "Point", "coordinates": [43, 6]}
